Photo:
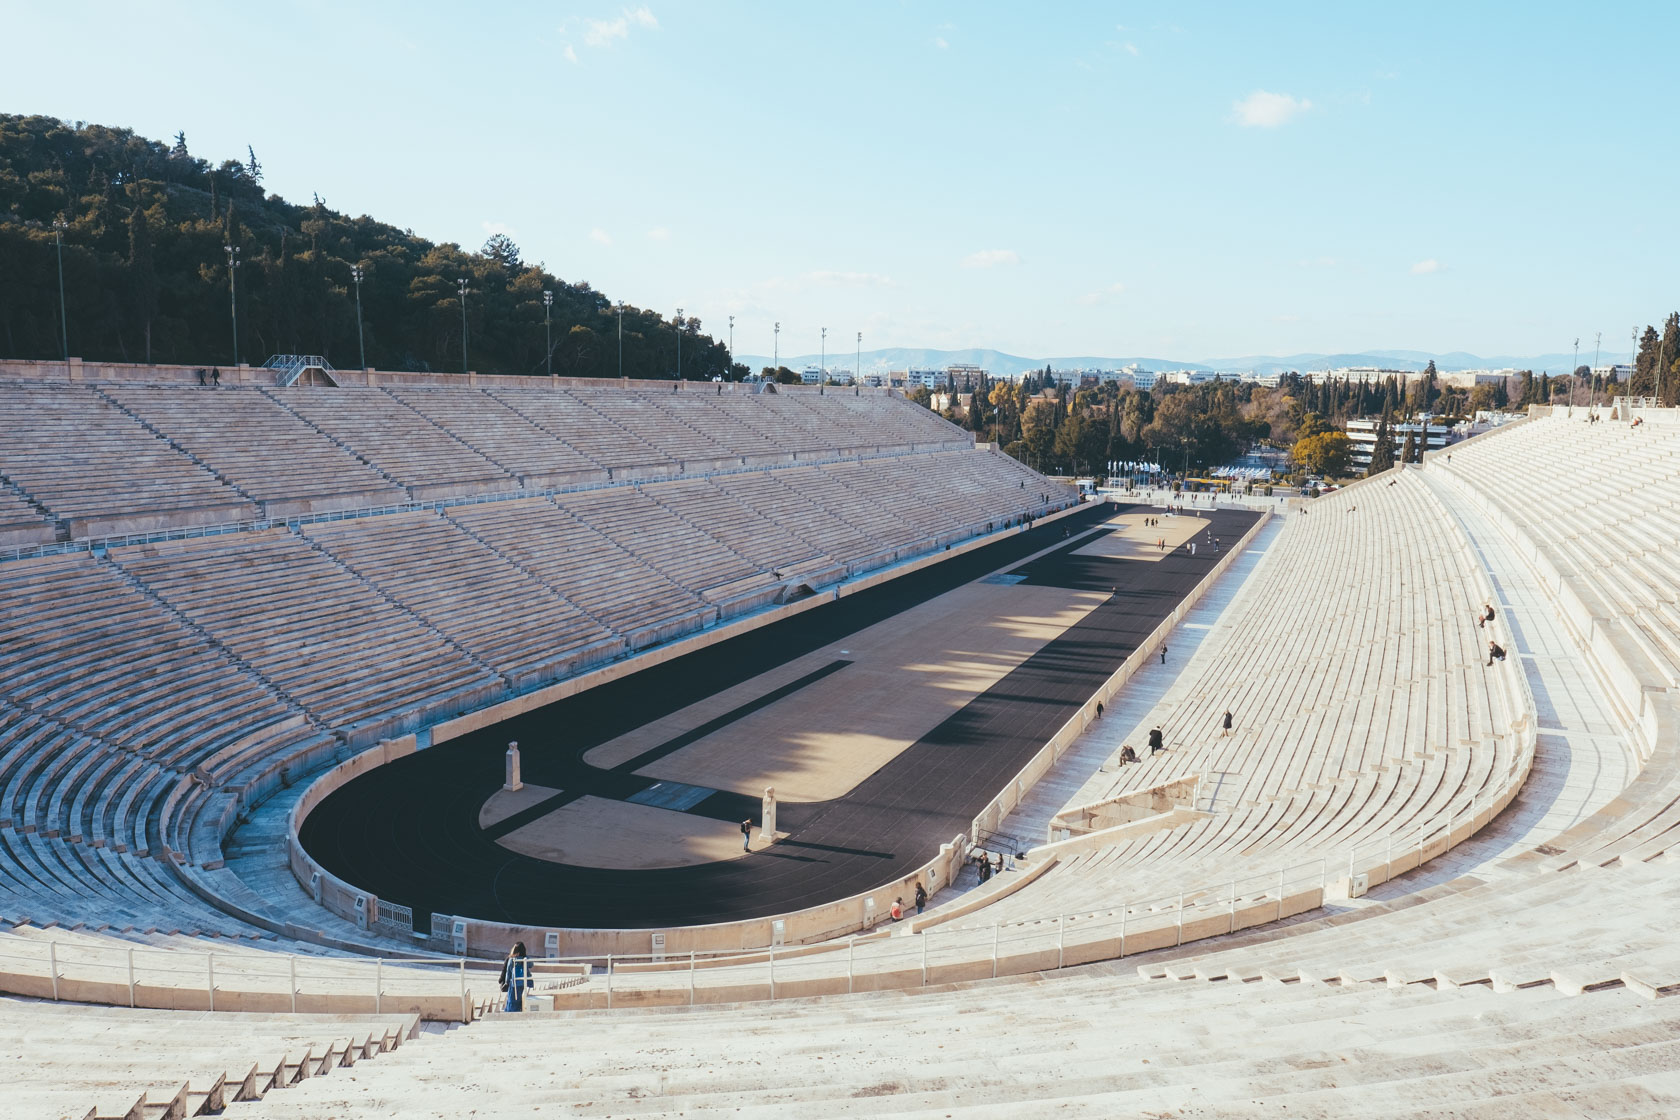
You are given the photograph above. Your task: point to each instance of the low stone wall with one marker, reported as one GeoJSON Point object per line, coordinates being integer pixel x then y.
{"type": "Point", "coordinates": [1124, 808]}
{"type": "Point", "coordinates": [134, 373]}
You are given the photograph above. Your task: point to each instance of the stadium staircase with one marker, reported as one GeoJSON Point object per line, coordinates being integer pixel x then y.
{"type": "Point", "coordinates": [289, 368]}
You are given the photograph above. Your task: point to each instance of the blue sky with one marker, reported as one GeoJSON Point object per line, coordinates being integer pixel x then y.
{"type": "Point", "coordinates": [1183, 180]}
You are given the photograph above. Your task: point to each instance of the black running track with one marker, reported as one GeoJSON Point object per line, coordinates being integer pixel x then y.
{"type": "Point", "coordinates": [409, 833]}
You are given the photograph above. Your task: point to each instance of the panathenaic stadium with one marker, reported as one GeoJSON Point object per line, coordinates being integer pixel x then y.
{"type": "Point", "coordinates": [316, 699]}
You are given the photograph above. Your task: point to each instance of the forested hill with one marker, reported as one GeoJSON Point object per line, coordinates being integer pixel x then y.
{"type": "Point", "coordinates": [146, 274]}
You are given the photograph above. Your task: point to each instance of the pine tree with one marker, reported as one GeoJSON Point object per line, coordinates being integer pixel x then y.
{"type": "Point", "coordinates": [1408, 454]}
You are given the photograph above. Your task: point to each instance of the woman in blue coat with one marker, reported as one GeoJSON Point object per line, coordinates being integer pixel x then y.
{"type": "Point", "coordinates": [516, 975]}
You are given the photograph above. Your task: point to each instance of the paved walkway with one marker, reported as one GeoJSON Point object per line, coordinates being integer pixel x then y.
{"type": "Point", "coordinates": [1582, 761]}
{"type": "Point", "coordinates": [1087, 772]}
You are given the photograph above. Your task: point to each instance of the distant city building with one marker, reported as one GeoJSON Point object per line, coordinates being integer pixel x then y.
{"type": "Point", "coordinates": [1620, 371]}
{"type": "Point", "coordinates": [1470, 378]}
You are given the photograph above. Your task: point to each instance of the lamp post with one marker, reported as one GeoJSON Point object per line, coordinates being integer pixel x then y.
{"type": "Point", "coordinates": [233, 298]}
{"type": "Point", "coordinates": [548, 333]}
{"type": "Point", "coordinates": [1633, 364]}
{"type": "Point", "coordinates": [461, 286]}
{"type": "Point", "coordinates": [1592, 381]}
{"type": "Point", "coordinates": [857, 372]}
{"type": "Point", "coordinates": [1575, 365]}
{"type": "Point", "coordinates": [679, 343]}
{"type": "Point", "coordinates": [621, 340]}
{"type": "Point", "coordinates": [59, 226]}
{"type": "Point", "coordinates": [822, 362]}
{"type": "Point", "coordinates": [776, 350]}
{"type": "Point", "coordinates": [361, 345]}
{"type": "Point", "coordinates": [731, 372]}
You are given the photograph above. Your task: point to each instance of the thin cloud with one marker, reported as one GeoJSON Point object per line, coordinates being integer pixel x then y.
{"type": "Point", "coordinates": [606, 32]}
{"type": "Point", "coordinates": [992, 258]}
{"type": "Point", "coordinates": [569, 54]}
{"type": "Point", "coordinates": [1261, 109]}
{"type": "Point", "coordinates": [939, 41]}
{"type": "Point", "coordinates": [600, 236]}
{"type": "Point", "coordinates": [850, 279]}
{"type": "Point", "coordinates": [659, 233]}
{"type": "Point", "coordinates": [1426, 267]}
{"type": "Point", "coordinates": [1102, 295]}
{"type": "Point", "coordinates": [1131, 49]}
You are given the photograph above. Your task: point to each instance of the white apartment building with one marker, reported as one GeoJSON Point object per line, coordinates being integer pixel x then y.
{"type": "Point", "coordinates": [1363, 434]}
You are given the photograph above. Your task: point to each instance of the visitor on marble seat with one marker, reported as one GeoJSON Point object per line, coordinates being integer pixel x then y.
{"type": "Point", "coordinates": [1127, 754]}
{"type": "Point", "coordinates": [898, 910]}
{"type": "Point", "coordinates": [1155, 743]}
{"type": "Point", "coordinates": [1496, 652]}
{"type": "Point", "coordinates": [1487, 616]}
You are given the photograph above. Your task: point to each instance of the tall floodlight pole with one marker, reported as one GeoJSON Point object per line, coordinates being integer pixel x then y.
{"type": "Point", "coordinates": [822, 361]}
{"type": "Point", "coordinates": [461, 286]}
{"type": "Point", "coordinates": [361, 345]}
{"type": "Point", "coordinates": [59, 226]}
{"type": "Point", "coordinates": [1598, 340]}
{"type": "Point", "coordinates": [1574, 365]}
{"type": "Point", "coordinates": [776, 350]}
{"type": "Point", "coordinates": [679, 343]}
{"type": "Point", "coordinates": [233, 298]}
{"type": "Point", "coordinates": [731, 371]}
{"type": "Point", "coordinates": [548, 332]}
{"type": "Point", "coordinates": [1633, 364]}
{"type": "Point", "coordinates": [857, 373]}
{"type": "Point", "coordinates": [621, 340]}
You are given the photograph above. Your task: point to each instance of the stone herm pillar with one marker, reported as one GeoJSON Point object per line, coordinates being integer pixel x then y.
{"type": "Point", "coordinates": [513, 784]}
{"type": "Point", "coordinates": [769, 818]}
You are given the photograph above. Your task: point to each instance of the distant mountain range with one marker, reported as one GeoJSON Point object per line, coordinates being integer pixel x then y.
{"type": "Point", "coordinates": [997, 362]}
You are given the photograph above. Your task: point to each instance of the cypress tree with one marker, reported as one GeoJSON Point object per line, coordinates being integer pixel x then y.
{"type": "Point", "coordinates": [1382, 453]}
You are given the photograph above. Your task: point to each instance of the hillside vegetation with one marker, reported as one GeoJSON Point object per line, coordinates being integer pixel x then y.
{"type": "Point", "coordinates": [146, 273]}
